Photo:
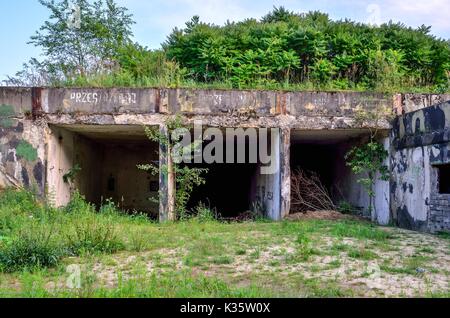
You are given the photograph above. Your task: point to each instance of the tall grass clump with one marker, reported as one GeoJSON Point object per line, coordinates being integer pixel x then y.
{"type": "Point", "coordinates": [32, 248]}
{"type": "Point", "coordinates": [91, 232]}
{"type": "Point", "coordinates": [34, 235]}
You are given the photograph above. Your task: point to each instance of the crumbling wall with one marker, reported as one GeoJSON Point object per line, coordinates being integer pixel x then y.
{"type": "Point", "coordinates": [22, 150]}
{"type": "Point", "coordinates": [421, 142]}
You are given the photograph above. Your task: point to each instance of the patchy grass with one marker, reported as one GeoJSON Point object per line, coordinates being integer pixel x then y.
{"type": "Point", "coordinates": [129, 256]}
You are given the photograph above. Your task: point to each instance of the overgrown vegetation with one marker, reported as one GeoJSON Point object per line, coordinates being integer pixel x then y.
{"type": "Point", "coordinates": [33, 235]}
{"type": "Point", "coordinates": [283, 50]}
{"type": "Point", "coordinates": [129, 256]}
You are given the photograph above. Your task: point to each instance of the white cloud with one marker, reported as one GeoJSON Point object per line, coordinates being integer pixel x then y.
{"type": "Point", "coordinates": [170, 13]}
{"type": "Point", "coordinates": [415, 13]}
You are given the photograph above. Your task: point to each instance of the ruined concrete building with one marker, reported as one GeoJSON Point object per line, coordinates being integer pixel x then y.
{"type": "Point", "coordinates": [46, 132]}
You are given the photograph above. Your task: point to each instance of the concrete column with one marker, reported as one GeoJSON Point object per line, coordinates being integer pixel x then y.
{"type": "Point", "coordinates": [273, 189]}
{"type": "Point", "coordinates": [167, 185]}
{"type": "Point", "coordinates": [285, 167]}
{"type": "Point", "coordinates": [381, 213]}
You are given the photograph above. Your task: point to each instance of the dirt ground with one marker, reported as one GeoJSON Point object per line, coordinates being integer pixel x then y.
{"type": "Point", "coordinates": [321, 215]}
{"type": "Point", "coordinates": [313, 255]}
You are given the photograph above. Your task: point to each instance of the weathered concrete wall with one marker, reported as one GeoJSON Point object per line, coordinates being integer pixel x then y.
{"type": "Point", "coordinates": [22, 150]}
{"type": "Point", "coordinates": [407, 103]}
{"type": "Point", "coordinates": [250, 104]}
{"type": "Point", "coordinates": [89, 156]}
{"type": "Point", "coordinates": [60, 160]}
{"type": "Point", "coordinates": [382, 190]}
{"type": "Point", "coordinates": [132, 188]}
{"type": "Point", "coordinates": [99, 101]}
{"type": "Point", "coordinates": [420, 143]}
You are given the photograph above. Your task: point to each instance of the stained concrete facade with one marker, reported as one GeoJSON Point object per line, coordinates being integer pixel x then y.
{"type": "Point", "coordinates": [44, 133]}
{"type": "Point", "coordinates": [420, 151]}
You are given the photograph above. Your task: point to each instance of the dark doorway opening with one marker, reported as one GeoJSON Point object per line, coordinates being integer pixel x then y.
{"type": "Point", "coordinates": [444, 178]}
{"type": "Point", "coordinates": [322, 152]}
{"type": "Point", "coordinates": [108, 157]}
{"type": "Point", "coordinates": [229, 188]}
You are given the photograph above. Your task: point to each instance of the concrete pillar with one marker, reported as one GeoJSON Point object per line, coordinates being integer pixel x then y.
{"type": "Point", "coordinates": [381, 213]}
{"type": "Point", "coordinates": [274, 189]}
{"type": "Point", "coordinates": [285, 167]}
{"type": "Point", "coordinates": [167, 185]}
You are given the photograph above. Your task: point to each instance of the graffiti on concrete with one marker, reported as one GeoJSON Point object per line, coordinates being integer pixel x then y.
{"type": "Point", "coordinates": [107, 97]}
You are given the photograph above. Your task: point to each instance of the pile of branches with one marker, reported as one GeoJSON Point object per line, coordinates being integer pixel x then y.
{"type": "Point", "coordinates": [309, 194]}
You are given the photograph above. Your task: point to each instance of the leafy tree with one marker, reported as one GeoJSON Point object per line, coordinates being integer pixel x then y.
{"type": "Point", "coordinates": [279, 14]}
{"type": "Point", "coordinates": [80, 38]}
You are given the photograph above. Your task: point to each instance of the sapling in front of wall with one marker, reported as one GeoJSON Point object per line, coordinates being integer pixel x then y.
{"type": "Point", "coordinates": [186, 178]}
{"type": "Point", "coordinates": [367, 161]}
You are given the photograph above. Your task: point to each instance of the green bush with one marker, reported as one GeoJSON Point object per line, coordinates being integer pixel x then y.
{"type": "Point", "coordinates": [78, 205]}
{"type": "Point", "coordinates": [23, 200]}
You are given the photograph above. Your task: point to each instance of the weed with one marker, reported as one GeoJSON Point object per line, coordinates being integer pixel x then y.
{"type": "Point", "coordinates": [358, 230]}
{"type": "Point", "coordinates": [31, 249]}
{"type": "Point", "coordinates": [222, 260]}
{"type": "Point", "coordinates": [89, 234]}
{"type": "Point", "coordinates": [362, 253]}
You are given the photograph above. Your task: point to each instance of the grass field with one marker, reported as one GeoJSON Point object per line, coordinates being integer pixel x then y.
{"type": "Point", "coordinates": [77, 252]}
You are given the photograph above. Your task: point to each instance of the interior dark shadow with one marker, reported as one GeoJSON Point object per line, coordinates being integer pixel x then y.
{"type": "Point", "coordinates": [230, 188]}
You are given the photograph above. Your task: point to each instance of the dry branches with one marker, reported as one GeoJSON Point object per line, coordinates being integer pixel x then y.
{"type": "Point", "coordinates": [308, 193]}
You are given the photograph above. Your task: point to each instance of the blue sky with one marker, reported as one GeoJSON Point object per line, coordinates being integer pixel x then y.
{"type": "Point", "coordinates": [155, 18]}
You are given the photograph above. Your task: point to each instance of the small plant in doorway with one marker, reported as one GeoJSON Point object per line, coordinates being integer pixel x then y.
{"type": "Point", "coordinates": [186, 177]}
{"type": "Point", "coordinates": [69, 177]}
{"type": "Point", "coordinates": [367, 161]}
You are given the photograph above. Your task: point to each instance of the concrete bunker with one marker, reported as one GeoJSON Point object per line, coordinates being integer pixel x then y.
{"type": "Point", "coordinates": [323, 152]}
{"type": "Point", "coordinates": [108, 157]}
